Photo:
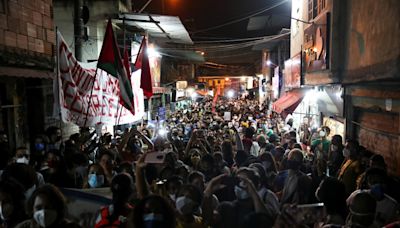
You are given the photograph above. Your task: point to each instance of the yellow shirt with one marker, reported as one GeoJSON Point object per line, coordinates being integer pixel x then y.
{"type": "Point", "coordinates": [197, 223]}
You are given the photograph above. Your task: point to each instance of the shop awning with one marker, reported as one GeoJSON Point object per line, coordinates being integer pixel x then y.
{"type": "Point", "coordinates": [26, 73]}
{"type": "Point", "coordinates": [161, 27]}
{"type": "Point", "coordinates": [288, 102]}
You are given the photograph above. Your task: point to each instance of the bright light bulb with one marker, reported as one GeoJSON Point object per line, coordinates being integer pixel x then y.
{"type": "Point", "coordinates": [162, 132]}
{"type": "Point", "coordinates": [230, 93]}
{"type": "Point", "coordinates": [152, 52]}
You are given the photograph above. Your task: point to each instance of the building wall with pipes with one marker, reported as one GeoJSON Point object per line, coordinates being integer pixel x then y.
{"type": "Point", "coordinates": [27, 40]}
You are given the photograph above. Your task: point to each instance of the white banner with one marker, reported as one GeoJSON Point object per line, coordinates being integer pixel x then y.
{"type": "Point", "coordinates": [75, 83]}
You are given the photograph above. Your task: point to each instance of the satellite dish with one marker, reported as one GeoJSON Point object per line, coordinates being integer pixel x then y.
{"type": "Point", "coordinates": [85, 14]}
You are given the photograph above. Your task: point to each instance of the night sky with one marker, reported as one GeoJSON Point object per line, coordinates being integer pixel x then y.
{"type": "Point", "coordinates": [198, 15]}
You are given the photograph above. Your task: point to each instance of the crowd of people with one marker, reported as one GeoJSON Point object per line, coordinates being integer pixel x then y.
{"type": "Point", "coordinates": [229, 164]}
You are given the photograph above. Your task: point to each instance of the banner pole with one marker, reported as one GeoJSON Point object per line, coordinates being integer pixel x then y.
{"type": "Point", "coordinates": [58, 80]}
{"type": "Point", "coordinates": [116, 116]}
{"type": "Point", "coordinates": [90, 97]}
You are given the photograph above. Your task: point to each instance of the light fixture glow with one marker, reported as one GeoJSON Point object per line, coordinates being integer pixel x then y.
{"type": "Point", "coordinates": [230, 93]}
{"type": "Point", "coordinates": [162, 132]}
{"type": "Point", "coordinates": [152, 52]}
{"type": "Point", "coordinates": [190, 90]}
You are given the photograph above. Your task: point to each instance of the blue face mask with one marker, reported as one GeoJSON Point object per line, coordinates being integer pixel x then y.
{"type": "Point", "coordinates": [95, 181]}
{"type": "Point", "coordinates": [39, 146]}
{"type": "Point", "coordinates": [377, 191]}
{"type": "Point", "coordinates": [241, 193]}
{"type": "Point", "coordinates": [152, 220]}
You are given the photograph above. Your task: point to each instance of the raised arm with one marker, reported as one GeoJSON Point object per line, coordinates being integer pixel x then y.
{"type": "Point", "coordinates": [141, 183]}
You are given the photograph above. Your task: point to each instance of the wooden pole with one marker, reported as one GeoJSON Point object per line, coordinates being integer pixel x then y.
{"type": "Point", "coordinates": [58, 81]}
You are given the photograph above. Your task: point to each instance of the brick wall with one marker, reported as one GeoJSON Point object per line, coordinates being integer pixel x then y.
{"type": "Point", "coordinates": [26, 28]}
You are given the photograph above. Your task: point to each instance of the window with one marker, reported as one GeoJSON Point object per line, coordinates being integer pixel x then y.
{"type": "Point", "coordinates": [312, 9]}
{"type": "Point", "coordinates": [321, 5]}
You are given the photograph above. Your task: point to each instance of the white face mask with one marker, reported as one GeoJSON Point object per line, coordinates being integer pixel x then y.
{"type": "Point", "coordinates": [45, 217]}
{"type": "Point", "coordinates": [346, 152]}
{"type": "Point", "coordinates": [22, 160]}
{"type": "Point", "coordinates": [322, 133]}
{"type": "Point", "coordinates": [184, 205]}
{"type": "Point", "coordinates": [172, 197]}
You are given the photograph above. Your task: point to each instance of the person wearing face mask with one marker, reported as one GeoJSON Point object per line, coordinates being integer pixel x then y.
{"type": "Point", "coordinates": [351, 167]}
{"type": "Point", "coordinates": [297, 186]}
{"type": "Point", "coordinates": [320, 148]}
{"type": "Point", "coordinates": [55, 139]}
{"type": "Point", "coordinates": [24, 174]}
{"type": "Point", "coordinates": [116, 214]}
{"type": "Point", "coordinates": [95, 177]}
{"type": "Point", "coordinates": [270, 167]}
{"type": "Point", "coordinates": [172, 187]}
{"type": "Point", "coordinates": [362, 211]}
{"type": "Point", "coordinates": [153, 211]}
{"type": "Point", "coordinates": [387, 208]}
{"type": "Point", "coordinates": [187, 204]}
{"type": "Point", "coordinates": [22, 155]}
{"type": "Point", "coordinates": [335, 155]}
{"type": "Point", "coordinates": [246, 186]}
{"type": "Point", "coordinates": [12, 198]}
{"type": "Point", "coordinates": [47, 208]}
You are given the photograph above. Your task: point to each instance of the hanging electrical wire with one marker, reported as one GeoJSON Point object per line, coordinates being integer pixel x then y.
{"type": "Point", "coordinates": [243, 44]}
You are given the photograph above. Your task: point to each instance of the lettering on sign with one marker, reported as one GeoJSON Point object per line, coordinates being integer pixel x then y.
{"type": "Point", "coordinates": [75, 86]}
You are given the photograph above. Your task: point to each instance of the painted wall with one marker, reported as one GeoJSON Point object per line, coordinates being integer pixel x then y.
{"type": "Point", "coordinates": [299, 11]}
{"type": "Point", "coordinates": [373, 38]}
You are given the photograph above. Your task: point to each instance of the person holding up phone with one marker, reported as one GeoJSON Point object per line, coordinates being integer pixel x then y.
{"type": "Point", "coordinates": [231, 214]}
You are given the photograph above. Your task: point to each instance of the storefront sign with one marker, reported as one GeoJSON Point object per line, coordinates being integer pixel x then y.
{"type": "Point", "coordinates": [293, 72]}
{"type": "Point", "coordinates": [180, 85]}
{"type": "Point", "coordinates": [74, 87]}
{"type": "Point", "coordinates": [316, 45]}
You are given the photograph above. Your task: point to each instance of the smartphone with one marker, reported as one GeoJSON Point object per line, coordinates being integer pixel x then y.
{"type": "Point", "coordinates": [157, 157]}
{"type": "Point", "coordinates": [310, 213]}
{"type": "Point", "coordinates": [230, 181]}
